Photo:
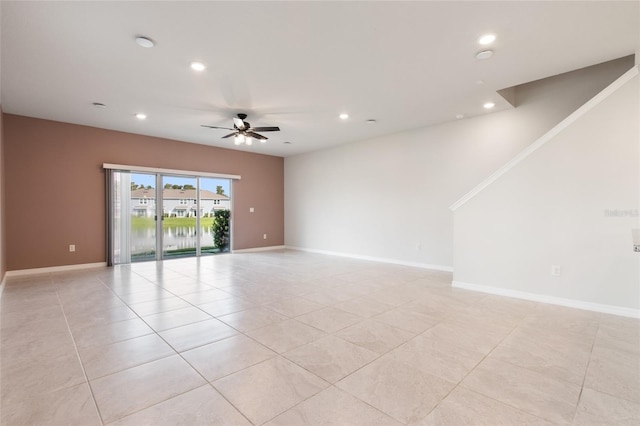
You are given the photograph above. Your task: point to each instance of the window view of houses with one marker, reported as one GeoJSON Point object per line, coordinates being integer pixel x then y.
{"type": "Point", "coordinates": [179, 213]}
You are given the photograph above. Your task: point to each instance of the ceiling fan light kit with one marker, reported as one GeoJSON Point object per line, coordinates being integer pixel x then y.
{"type": "Point", "coordinates": [243, 133]}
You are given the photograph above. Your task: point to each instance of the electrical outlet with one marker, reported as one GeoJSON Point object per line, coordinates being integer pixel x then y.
{"type": "Point", "coordinates": [264, 236]}
{"type": "Point", "coordinates": [556, 270]}
{"type": "Point", "coordinates": [72, 247]}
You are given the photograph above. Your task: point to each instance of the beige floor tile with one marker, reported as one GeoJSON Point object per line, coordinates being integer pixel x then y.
{"type": "Point", "coordinates": [21, 380]}
{"type": "Point", "coordinates": [175, 318]}
{"type": "Point", "coordinates": [331, 358]}
{"type": "Point", "coordinates": [294, 306]}
{"type": "Point", "coordinates": [29, 316]}
{"type": "Point", "coordinates": [395, 296]}
{"type": "Point", "coordinates": [407, 320]}
{"type": "Point", "coordinates": [438, 357]}
{"type": "Point", "coordinates": [375, 336]}
{"type": "Point", "coordinates": [145, 296]}
{"type": "Point", "coordinates": [465, 407]}
{"type": "Point", "coordinates": [561, 361]}
{"type": "Point", "coordinates": [620, 335]}
{"type": "Point", "coordinates": [227, 356]}
{"type": "Point", "coordinates": [364, 307]}
{"type": "Point", "coordinates": [68, 406]}
{"type": "Point", "coordinates": [207, 296]}
{"type": "Point", "coordinates": [535, 393]}
{"type": "Point", "coordinates": [197, 334]}
{"type": "Point", "coordinates": [286, 335]}
{"type": "Point", "coordinates": [201, 406]}
{"type": "Point", "coordinates": [36, 348]}
{"type": "Point", "coordinates": [105, 334]}
{"type": "Point", "coordinates": [99, 318]}
{"type": "Point", "coordinates": [333, 406]}
{"type": "Point", "coordinates": [404, 393]}
{"type": "Point", "coordinates": [265, 390]}
{"type": "Point", "coordinates": [227, 306]}
{"type": "Point", "coordinates": [329, 319]}
{"type": "Point", "coordinates": [596, 408]}
{"type": "Point", "coordinates": [100, 361]}
{"type": "Point", "coordinates": [252, 318]}
{"type": "Point", "coordinates": [614, 372]}
{"type": "Point", "coordinates": [158, 306]}
{"type": "Point", "coordinates": [474, 337]}
{"type": "Point", "coordinates": [131, 390]}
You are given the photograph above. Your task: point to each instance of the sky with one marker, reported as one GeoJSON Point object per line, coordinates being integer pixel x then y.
{"type": "Point", "coordinates": [205, 183]}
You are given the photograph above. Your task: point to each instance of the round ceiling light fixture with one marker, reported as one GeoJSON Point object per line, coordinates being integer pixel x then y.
{"type": "Point", "coordinates": [459, 116]}
{"type": "Point", "coordinates": [371, 121]}
{"type": "Point", "coordinates": [141, 116]}
{"type": "Point", "coordinates": [489, 105]}
{"type": "Point", "coordinates": [99, 105]}
{"type": "Point", "coordinates": [344, 116]}
{"type": "Point", "coordinates": [486, 39]}
{"type": "Point", "coordinates": [484, 54]}
{"type": "Point", "coordinates": [198, 66]}
{"type": "Point", "coordinates": [145, 42]}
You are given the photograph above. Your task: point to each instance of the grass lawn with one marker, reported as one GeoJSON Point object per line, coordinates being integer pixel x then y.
{"type": "Point", "coordinates": [170, 222]}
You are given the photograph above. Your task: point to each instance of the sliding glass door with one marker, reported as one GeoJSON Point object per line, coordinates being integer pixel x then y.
{"type": "Point", "coordinates": [186, 216]}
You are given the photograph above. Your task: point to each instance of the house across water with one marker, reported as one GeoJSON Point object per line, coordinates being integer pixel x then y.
{"type": "Point", "coordinates": [177, 202]}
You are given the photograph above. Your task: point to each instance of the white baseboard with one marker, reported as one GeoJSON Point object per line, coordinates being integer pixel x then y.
{"type": "Point", "coordinates": [376, 259]}
{"type": "Point", "coordinates": [50, 269]}
{"type": "Point", "coordinates": [253, 250]}
{"type": "Point", "coordinates": [553, 300]}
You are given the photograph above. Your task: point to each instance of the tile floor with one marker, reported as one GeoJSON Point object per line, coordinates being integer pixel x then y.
{"type": "Point", "coordinates": [293, 338]}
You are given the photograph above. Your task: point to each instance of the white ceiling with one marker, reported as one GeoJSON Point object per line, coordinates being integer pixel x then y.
{"type": "Point", "coordinates": [296, 65]}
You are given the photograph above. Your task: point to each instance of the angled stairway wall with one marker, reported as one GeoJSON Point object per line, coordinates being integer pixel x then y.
{"type": "Point", "coordinates": [571, 200]}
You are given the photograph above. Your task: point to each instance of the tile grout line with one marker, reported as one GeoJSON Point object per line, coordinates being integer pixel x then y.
{"type": "Point", "coordinates": [586, 371]}
{"type": "Point", "coordinates": [75, 347]}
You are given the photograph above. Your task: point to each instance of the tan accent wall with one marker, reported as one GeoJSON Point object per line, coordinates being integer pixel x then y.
{"type": "Point", "coordinates": [55, 188]}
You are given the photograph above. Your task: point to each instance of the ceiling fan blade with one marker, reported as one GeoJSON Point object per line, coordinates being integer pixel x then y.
{"type": "Point", "coordinates": [266, 129]}
{"type": "Point", "coordinates": [216, 127]}
{"type": "Point", "coordinates": [229, 135]}
{"type": "Point", "coordinates": [239, 123]}
{"type": "Point", "coordinates": [256, 136]}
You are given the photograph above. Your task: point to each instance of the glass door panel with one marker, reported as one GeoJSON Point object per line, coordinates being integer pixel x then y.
{"type": "Point", "coordinates": [215, 207]}
{"type": "Point", "coordinates": [180, 217]}
{"type": "Point", "coordinates": [142, 208]}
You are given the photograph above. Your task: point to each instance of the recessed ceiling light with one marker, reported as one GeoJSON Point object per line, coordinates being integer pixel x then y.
{"type": "Point", "coordinates": [198, 66]}
{"type": "Point", "coordinates": [99, 105]}
{"type": "Point", "coordinates": [144, 42]}
{"type": "Point", "coordinates": [344, 116]}
{"type": "Point", "coordinates": [141, 116]}
{"type": "Point", "coordinates": [371, 121]}
{"type": "Point", "coordinates": [459, 116]}
{"type": "Point", "coordinates": [489, 105]}
{"type": "Point", "coordinates": [287, 143]}
{"type": "Point", "coordinates": [487, 39]}
{"type": "Point", "coordinates": [484, 54]}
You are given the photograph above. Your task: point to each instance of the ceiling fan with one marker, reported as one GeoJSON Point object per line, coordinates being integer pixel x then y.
{"type": "Point", "coordinates": [243, 132]}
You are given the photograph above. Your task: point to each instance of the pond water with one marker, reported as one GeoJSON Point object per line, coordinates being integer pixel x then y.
{"type": "Point", "coordinates": [174, 238]}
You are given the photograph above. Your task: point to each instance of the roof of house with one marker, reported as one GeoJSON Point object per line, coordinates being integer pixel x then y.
{"type": "Point", "coordinates": [178, 194]}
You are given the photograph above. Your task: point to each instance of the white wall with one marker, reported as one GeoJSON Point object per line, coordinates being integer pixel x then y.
{"type": "Point", "coordinates": [380, 198]}
{"type": "Point", "coordinates": [551, 209]}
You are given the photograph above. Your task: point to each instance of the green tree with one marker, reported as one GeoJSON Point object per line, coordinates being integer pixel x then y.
{"type": "Point", "coordinates": [134, 186]}
{"type": "Point", "coordinates": [149, 187]}
{"type": "Point", "coordinates": [220, 190]}
{"type": "Point", "coordinates": [220, 229]}
{"type": "Point", "coordinates": [167, 186]}
{"type": "Point", "coordinates": [176, 186]}
{"type": "Point", "coordinates": [187, 186]}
